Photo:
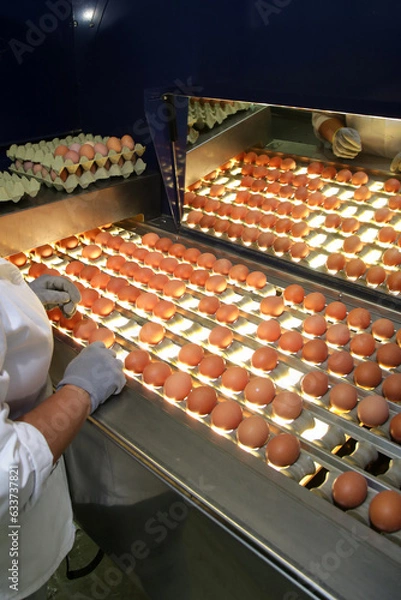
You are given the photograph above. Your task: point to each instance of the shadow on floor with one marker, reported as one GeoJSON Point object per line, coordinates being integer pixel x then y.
{"type": "Point", "coordinates": [106, 582]}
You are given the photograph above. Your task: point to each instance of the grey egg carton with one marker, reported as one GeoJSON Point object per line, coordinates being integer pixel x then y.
{"type": "Point", "coordinates": [13, 187]}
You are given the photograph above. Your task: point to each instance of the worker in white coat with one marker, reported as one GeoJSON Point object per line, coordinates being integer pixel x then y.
{"type": "Point", "coordinates": [37, 425]}
{"type": "Point", "coordinates": [351, 134]}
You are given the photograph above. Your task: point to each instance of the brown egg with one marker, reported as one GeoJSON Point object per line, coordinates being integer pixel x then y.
{"type": "Point", "coordinates": [70, 323]}
{"type": "Point", "coordinates": [294, 294]}
{"type": "Point", "coordinates": [283, 225]}
{"type": "Point", "coordinates": [391, 388]}
{"type": "Point", "coordinates": [88, 297]}
{"type": "Point", "coordinates": [315, 199]}
{"type": "Point", "coordinates": [174, 288]}
{"type": "Point", "coordinates": [212, 366]}
{"type": "Point", "coordinates": [183, 271]}
{"type": "Point", "coordinates": [250, 235]}
{"type": "Point", "coordinates": [383, 215]}
{"type": "Point", "coordinates": [129, 268]}
{"type": "Point", "coordinates": [209, 305]}
{"type": "Point", "coordinates": [398, 337]}
{"type": "Point", "coordinates": [392, 257]}
{"type": "Point", "coordinates": [177, 386]}
{"type": "Point", "coordinates": [344, 175]}
{"type": "Point", "coordinates": [394, 282]}
{"type": "Point", "coordinates": [338, 334]}
{"type": "Point", "coordinates": [343, 397]}
{"type": "Point", "coordinates": [38, 269]}
{"type": "Point", "coordinates": [92, 251]}
{"type": "Point", "coordinates": [252, 217]}
{"type": "Point", "coordinates": [44, 251]}
{"type": "Point", "coordinates": [300, 181]}
{"type": "Point", "coordinates": [103, 238]}
{"type": "Point", "coordinates": [256, 280]}
{"type": "Point", "coordinates": [199, 277]}
{"type": "Point", "coordinates": [315, 184]}
{"type": "Point", "coordinates": [299, 211]}
{"type": "Point", "coordinates": [127, 142]}
{"type": "Point", "coordinates": [368, 375]}
{"type": "Point", "coordinates": [392, 185]}
{"type": "Point", "coordinates": [359, 318]}
{"type": "Point", "coordinates": [363, 344]}
{"type": "Point", "coordinates": [329, 173]}
{"type": "Point", "coordinates": [291, 342]}
{"type": "Point", "coordinates": [217, 284]}
{"type": "Point", "coordinates": [206, 260]}
{"type": "Point", "coordinates": [201, 400]}
{"type": "Point", "coordinates": [260, 391]}
{"type": "Point", "coordinates": [19, 259]}
{"type": "Point", "coordinates": [87, 151]}
{"type": "Point", "coordinates": [385, 511]}
{"type": "Point", "coordinates": [61, 150]}
{"type": "Point", "coordinates": [235, 231]}
{"type": "Point", "coordinates": [155, 373]}
{"type": "Point", "coordinates": [387, 235]}
{"type": "Point", "coordinates": [373, 410]}
{"type": "Point", "coordinates": [227, 313]}
{"type": "Point", "coordinates": [227, 415]}
{"type": "Point", "coordinates": [272, 306]}
{"type": "Point", "coordinates": [54, 314]}
{"type": "Point", "coordinates": [238, 273]}
{"type": "Point", "coordinates": [191, 354]}
{"type": "Point", "coordinates": [383, 329]}
{"type": "Point", "coordinates": [83, 329]}
{"type": "Point", "coordinates": [315, 384]}
{"type": "Point", "coordinates": [300, 229]}
{"type": "Point", "coordinates": [221, 337]}
{"type": "Point", "coordinates": [314, 302]}
{"type": "Point", "coordinates": [103, 307]}
{"type": "Point", "coordinates": [152, 259]}
{"type": "Point", "coordinates": [128, 293]}
{"type": "Point", "coordinates": [140, 254]}
{"type": "Point", "coordinates": [154, 241]}
{"type": "Point", "coordinates": [332, 203]}
{"type": "Point", "coordinates": [359, 178]}
{"type": "Point", "coordinates": [315, 351]}
{"type": "Point", "coordinates": [253, 432]}
{"type": "Point", "coordinates": [266, 240]}
{"type": "Point", "coordinates": [72, 156]}
{"type": "Point", "coordinates": [315, 168]}
{"type": "Point", "coordinates": [350, 225]}
{"type": "Point", "coordinates": [269, 331]}
{"type": "Point", "coordinates": [349, 490]}
{"type": "Point", "coordinates": [336, 311]}
{"type": "Point", "coordinates": [352, 244]}
{"type": "Point", "coordinates": [394, 203]}
{"type": "Point", "coordinates": [102, 335]}
{"type": "Point", "coordinates": [169, 264]}
{"type": "Point", "coordinates": [287, 405]}
{"type": "Point", "coordinates": [88, 272]}
{"type": "Point", "coordinates": [301, 193]}
{"type": "Point", "coordinates": [335, 262]}
{"type": "Point", "coordinates": [375, 276]}
{"type": "Point", "coordinates": [264, 358]}
{"type": "Point", "coordinates": [147, 301]}
{"type": "Point", "coordinates": [363, 193]}
{"type": "Point", "coordinates": [115, 285]}
{"type": "Point", "coordinates": [281, 245]}
{"type": "Point", "coordinates": [158, 281]}
{"type": "Point", "coordinates": [332, 221]}
{"type": "Point", "coordinates": [283, 450]}
{"type": "Point", "coordinates": [389, 355]}
{"type": "Point", "coordinates": [340, 363]}
{"type": "Point", "coordinates": [235, 378]}
{"type": "Point", "coordinates": [315, 325]}
{"type": "Point", "coordinates": [152, 333]}
{"type": "Point", "coordinates": [90, 234]}
{"type": "Point", "coordinates": [137, 360]}
{"type": "Point", "coordinates": [113, 143]}
{"type": "Point", "coordinates": [164, 310]}
{"type": "Point", "coordinates": [395, 428]}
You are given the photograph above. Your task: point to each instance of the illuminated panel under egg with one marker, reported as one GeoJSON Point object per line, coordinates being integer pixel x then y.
{"type": "Point", "coordinates": [331, 439]}
{"type": "Point", "coordinates": [322, 208]}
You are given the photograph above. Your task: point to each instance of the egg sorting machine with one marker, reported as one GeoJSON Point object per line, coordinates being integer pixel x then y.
{"type": "Point", "coordinates": [174, 499]}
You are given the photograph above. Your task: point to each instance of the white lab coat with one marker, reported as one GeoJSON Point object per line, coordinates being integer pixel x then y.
{"type": "Point", "coordinates": [46, 531]}
{"type": "Point", "coordinates": [379, 136]}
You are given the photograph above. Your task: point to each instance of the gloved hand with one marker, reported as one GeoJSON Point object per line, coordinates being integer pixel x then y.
{"type": "Point", "coordinates": [346, 142]}
{"type": "Point", "coordinates": [395, 166]}
{"type": "Point", "coordinates": [97, 371]}
{"type": "Point", "coordinates": [56, 291]}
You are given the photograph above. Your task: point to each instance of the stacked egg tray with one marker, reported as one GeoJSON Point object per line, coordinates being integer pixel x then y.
{"type": "Point", "coordinates": [184, 320]}
{"type": "Point", "coordinates": [206, 114]}
{"type": "Point", "coordinates": [13, 187]}
{"type": "Point", "coordinates": [334, 221]}
{"type": "Point", "coordinates": [38, 161]}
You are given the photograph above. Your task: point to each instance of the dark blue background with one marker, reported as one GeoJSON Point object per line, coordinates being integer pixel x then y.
{"type": "Point", "coordinates": [338, 55]}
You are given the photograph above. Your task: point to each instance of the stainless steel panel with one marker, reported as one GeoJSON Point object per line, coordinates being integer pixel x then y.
{"type": "Point", "coordinates": [223, 142]}
{"type": "Point", "coordinates": [54, 215]}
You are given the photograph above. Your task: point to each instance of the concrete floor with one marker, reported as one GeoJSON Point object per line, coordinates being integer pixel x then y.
{"type": "Point", "coordinates": [106, 581]}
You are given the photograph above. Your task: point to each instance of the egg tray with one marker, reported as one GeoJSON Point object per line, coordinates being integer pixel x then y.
{"type": "Point", "coordinates": [321, 240]}
{"type": "Point", "coordinates": [342, 444]}
{"type": "Point", "coordinates": [42, 153]}
{"type": "Point", "coordinates": [13, 187]}
{"type": "Point", "coordinates": [84, 179]}
{"type": "Point", "coordinates": [207, 114]}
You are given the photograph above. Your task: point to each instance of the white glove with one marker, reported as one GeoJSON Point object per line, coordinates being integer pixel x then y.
{"type": "Point", "coordinates": [395, 166]}
{"type": "Point", "coordinates": [53, 290]}
{"type": "Point", "coordinates": [346, 142]}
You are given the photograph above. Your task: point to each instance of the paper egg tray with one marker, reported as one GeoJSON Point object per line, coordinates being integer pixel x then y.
{"type": "Point", "coordinates": [321, 241]}
{"type": "Point", "coordinates": [69, 175]}
{"type": "Point", "coordinates": [13, 187]}
{"type": "Point", "coordinates": [331, 443]}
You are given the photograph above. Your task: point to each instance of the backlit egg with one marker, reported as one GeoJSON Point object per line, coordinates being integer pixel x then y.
{"type": "Point", "coordinates": [177, 386]}
{"type": "Point", "coordinates": [294, 294]}
{"type": "Point", "coordinates": [265, 358]}
{"type": "Point", "coordinates": [269, 331]}
{"type": "Point", "coordinates": [191, 354]}
{"type": "Point", "coordinates": [315, 325]}
{"type": "Point", "coordinates": [221, 337]}
{"type": "Point", "coordinates": [152, 333]}
{"type": "Point", "coordinates": [272, 306]}
{"type": "Point", "coordinates": [383, 329]}
{"type": "Point", "coordinates": [253, 432]}
{"type": "Point", "coordinates": [359, 318]}
{"type": "Point", "coordinates": [343, 397]}
{"type": "Point", "coordinates": [340, 362]}
{"type": "Point", "coordinates": [338, 334]}
{"type": "Point", "coordinates": [287, 405]}
{"type": "Point", "coordinates": [291, 342]}
{"type": "Point", "coordinates": [315, 384]}
{"type": "Point", "coordinates": [392, 185]}
{"type": "Point", "coordinates": [283, 450]}
{"type": "Point", "coordinates": [103, 307]}
{"type": "Point", "coordinates": [103, 334]}
{"type": "Point", "coordinates": [235, 378]}
{"type": "Point", "coordinates": [363, 344]}
{"type": "Point", "coordinates": [201, 400]}
{"type": "Point", "coordinates": [368, 375]}
{"type": "Point", "coordinates": [373, 410]}
{"type": "Point", "coordinates": [227, 415]}
{"type": "Point", "coordinates": [155, 373]}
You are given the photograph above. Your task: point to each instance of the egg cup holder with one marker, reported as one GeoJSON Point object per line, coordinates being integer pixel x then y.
{"type": "Point", "coordinates": [37, 162]}
{"type": "Point", "coordinates": [13, 187]}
